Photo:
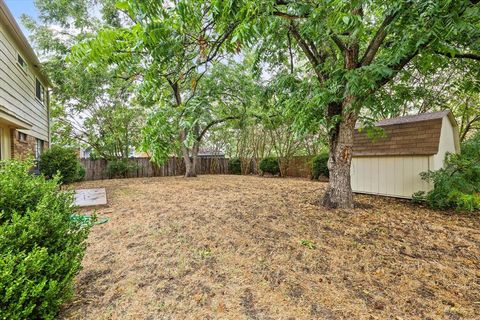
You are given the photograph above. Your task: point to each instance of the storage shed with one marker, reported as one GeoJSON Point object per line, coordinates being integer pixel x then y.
{"type": "Point", "coordinates": [391, 165]}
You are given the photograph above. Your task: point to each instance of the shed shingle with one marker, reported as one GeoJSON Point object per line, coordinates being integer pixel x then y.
{"type": "Point", "coordinates": [410, 135]}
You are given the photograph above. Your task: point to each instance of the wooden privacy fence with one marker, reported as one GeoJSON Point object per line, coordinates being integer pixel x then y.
{"type": "Point", "coordinates": [143, 167]}
{"type": "Point", "coordinates": [297, 166]}
{"type": "Point", "coordinates": [300, 166]}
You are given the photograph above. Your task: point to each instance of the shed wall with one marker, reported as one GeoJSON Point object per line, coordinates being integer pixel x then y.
{"type": "Point", "coordinates": [396, 176]}
{"type": "Point", "coordinates": [446, 144]}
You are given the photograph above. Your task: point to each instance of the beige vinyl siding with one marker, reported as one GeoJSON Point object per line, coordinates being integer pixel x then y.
{"type": "Point", "coordinates": [397, 176]}
{"type": "Point", "coordinates": [446, 144]}
{"type": "Point", "coordinates": [17, 89]}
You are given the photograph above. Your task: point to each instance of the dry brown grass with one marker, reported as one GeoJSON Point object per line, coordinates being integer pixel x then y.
{"type": "Point", "coordinates": [229, 247]}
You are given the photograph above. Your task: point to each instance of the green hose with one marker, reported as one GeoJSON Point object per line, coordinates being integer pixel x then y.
{"type": "Point", "coordinates": [87, 220]}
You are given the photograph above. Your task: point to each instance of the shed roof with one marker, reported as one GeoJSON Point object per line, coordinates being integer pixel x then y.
{"type": "Point", "coordinates": [409, 135]}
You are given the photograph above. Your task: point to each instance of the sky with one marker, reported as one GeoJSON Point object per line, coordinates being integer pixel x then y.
{"type": "Point", "coordinates": [19, 7]}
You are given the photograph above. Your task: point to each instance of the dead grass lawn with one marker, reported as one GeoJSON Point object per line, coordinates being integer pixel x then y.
{"type": "Point", "coordinates": [230, 247]}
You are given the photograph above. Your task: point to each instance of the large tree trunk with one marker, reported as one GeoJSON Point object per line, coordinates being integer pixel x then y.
{"type": "Point", "coordinates": [195, 166]}
{"type": "Point", "coordinates": [190, 167]}
{"type": "Point", "coordinates": [339, 191]}
{"type": "Point", "coordinates": [190, 161]}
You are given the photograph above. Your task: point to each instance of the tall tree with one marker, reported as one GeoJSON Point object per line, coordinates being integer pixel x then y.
{"type": "Point", "coordinates": [93, 109]}
{"type": "Point", "coordinates": [353, 49]}
{"type": "Point", "coordinates": [217, 102]}
{"type": "Point", "coordinates": [173, 45]}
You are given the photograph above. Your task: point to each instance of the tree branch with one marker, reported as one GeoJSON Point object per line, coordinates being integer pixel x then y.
{"type": "Point", "coordinates": [472, 56]}
{"type": "Point", "coordinates": [288, 15]}
{"type": "Point", "coordinates": [377, 40]}
{"type": "Point", "coordinates": [338, 42]}
{"type": "Point", "coordinates": [217, 44]}
{"type": "Point", "coordinates": [307, 50]}
{"type": "Point", "coordinates": [290, 52]}
{"type": "Point", "coordinates": [215, 122]}
{"type": "Point", "coordinates": [401, 64]}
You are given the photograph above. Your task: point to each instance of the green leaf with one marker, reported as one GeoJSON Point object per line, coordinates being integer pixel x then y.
{"type": "Point", "coordinates": [122, 5]}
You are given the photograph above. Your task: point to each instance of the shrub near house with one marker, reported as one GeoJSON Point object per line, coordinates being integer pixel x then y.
{"type": "Point", "coordinates": [62, 161]}
{"type": "Point", "coordinates": [41, 248]}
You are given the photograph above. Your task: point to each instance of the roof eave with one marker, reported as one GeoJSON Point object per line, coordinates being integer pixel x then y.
{"type": "Point", "coordinates": [14, 29]}
{"type": "Point", "coordinates": [411, 154]}
{"type": "Point", "coordinates": [13, 120]}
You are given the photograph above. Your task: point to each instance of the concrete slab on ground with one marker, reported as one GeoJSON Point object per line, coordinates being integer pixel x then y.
{"type": "Point", "coordinates": [90, 197]}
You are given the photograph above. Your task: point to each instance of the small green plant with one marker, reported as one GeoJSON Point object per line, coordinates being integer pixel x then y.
{"type": "Point", "coordinates": [120, 168]}
{"type": "Point", "coordinates": [270, 165]}
{"type": "Point", "coordinates": [419, 197]}
{"type": "Point", "coordinates": [308, 243]}
{"type": "Point", "coordinates": [205, 253]}
{"type": "Point", "coordinates": [235, 166]}
{"type": "Point", "coordinates": [320, 166]}
{"type": "Point", "coordinates": [62, 161]}
{"type": "Point", "coordinates": [41, 247]}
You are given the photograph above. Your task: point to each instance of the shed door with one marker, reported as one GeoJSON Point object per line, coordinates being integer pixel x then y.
{"type": "Point", "coordinates": [390, 176]}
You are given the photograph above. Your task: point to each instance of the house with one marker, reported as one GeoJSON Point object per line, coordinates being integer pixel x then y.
{"type": "Point", "coordinates": [24, 111]}
{"type": "Point", "coordinates": [391, 165]}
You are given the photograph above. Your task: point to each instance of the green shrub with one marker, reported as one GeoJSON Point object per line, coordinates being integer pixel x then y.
{"type": "Point", "coordinates": [320, 166]}
{"type": "Point", "coordinates": [120, 168]}
{"type": "Point", "coordinates": [41, 248]}
{"type": "Point", "coordinates": [62, 161]}
{"type": "Point", "coordinates": [270, 165]}
{"type": "Point", "coordinates": [457, 185]}
{"type": "Point", "coordinates": [80, 173]}
{"type": "Point", "coordinates": [471, 147]}
{"type": "Point", "coordinates": [235, 166]}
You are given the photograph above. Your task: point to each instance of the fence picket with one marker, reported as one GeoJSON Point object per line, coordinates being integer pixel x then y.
{"type": "Point", "coordinates": [97, 169]}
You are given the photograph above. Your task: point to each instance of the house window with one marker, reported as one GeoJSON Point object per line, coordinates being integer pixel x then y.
{"type": "Point", "coordinates": [39, 148]}
{"type": "Point", "coordinates": [40, 91]}
{"type": "Point", "coordinates": [22, 63]}
{"type": "Point", "coordinates": [22, 137]}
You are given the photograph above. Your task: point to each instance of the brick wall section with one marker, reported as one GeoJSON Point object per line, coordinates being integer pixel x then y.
{"type": "Point", "coordinates": [23, 149]}
{"type": "Point", "coordinates": [413, 138]}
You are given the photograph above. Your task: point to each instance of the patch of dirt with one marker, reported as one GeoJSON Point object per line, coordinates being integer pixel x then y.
{"type": "Point", "coordinates": [230, 247]}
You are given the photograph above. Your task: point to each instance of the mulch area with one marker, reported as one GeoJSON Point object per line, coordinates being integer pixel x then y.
{"type": "Point", "coordinates": [247, 247]}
